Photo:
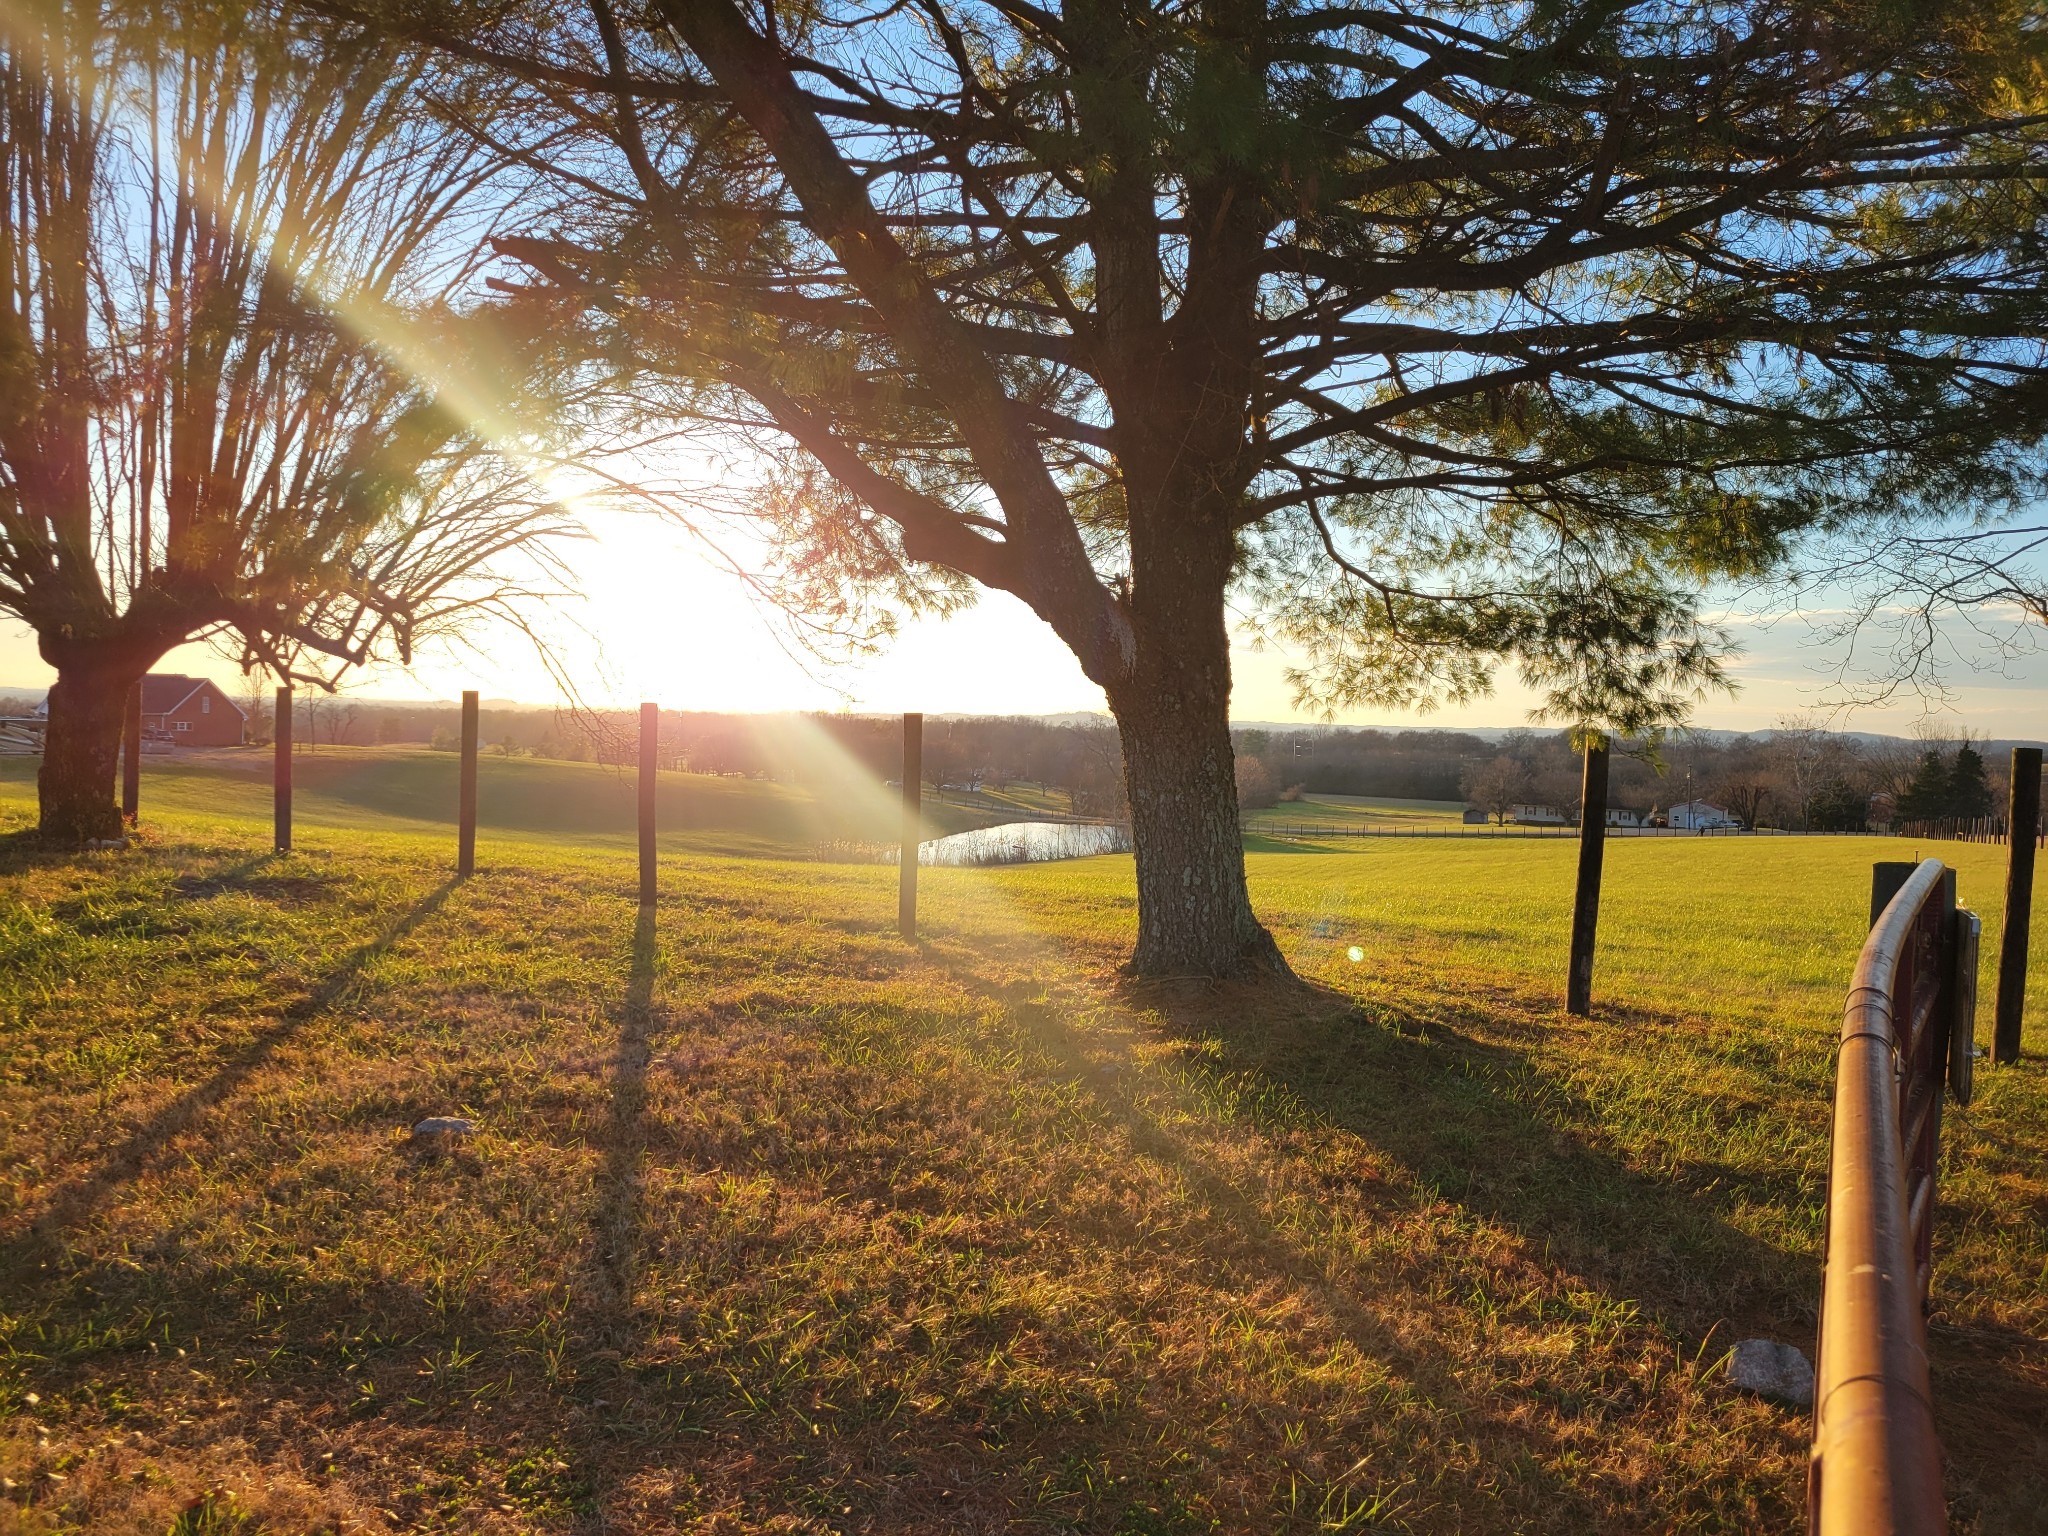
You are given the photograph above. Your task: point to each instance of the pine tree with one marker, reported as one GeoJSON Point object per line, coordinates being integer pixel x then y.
{"type": "Point", "coordinates": [1837, 806]}
{"type": "Point", "coordinates": [1428, 338]}
{"type": "Point", "coordinates": [1927, 796]}
{"type": "Point", "coordinates": [1969, 787]}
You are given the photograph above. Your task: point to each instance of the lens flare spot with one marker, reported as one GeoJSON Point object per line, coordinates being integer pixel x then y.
{"type": "Point", "coordinates": [1355, 955]}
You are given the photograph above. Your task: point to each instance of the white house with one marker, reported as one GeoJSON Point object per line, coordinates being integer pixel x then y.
{"type": "Point", "coordinates": [1538, 816]}
{"type": "Point", "coordinates": [1621, 816]}
{"type": "Point", "coordinates": [1699, 815]}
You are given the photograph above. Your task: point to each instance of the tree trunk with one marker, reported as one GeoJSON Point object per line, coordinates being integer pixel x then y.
{"type": "Point", "coordinates": [1194, 915]}
{"type": "Point", "coordinates": [82, 749]}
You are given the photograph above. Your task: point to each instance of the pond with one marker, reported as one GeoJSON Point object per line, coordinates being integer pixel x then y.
{"type": "Point", "coordinates": [1022, 842]}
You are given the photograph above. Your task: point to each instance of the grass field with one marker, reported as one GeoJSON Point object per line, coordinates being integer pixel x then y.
{"type": "Point", "coordinates": [1356, 811]}
{"type": "Point", "coordinates": [519, 799]}
{"type": "Point", "coordinates": [1018, 801]}
{"type": "Point", "coordinates": [776, 1224]}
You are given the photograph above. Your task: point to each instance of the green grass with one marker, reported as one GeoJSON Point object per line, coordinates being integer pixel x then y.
{"type": "Point", "coordinates": [523, 800]}
{"type": "Point", "coordinates": [778, 1224]}
{"type": "Point", "coordinates": [1356, 812]}
{"type": "Point", "coordinates": [1017, 801]}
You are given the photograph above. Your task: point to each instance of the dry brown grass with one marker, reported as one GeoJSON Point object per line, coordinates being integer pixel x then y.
{"type": "Point", "coordinates": [777, 1225]}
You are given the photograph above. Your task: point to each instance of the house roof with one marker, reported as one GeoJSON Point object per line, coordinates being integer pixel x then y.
{"type": "Point", "coordinates": [163, 692]}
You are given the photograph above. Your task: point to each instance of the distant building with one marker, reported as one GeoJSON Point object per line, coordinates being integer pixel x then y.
{"type": "Point", "coordinates": [1699, 815]}
{"type": "Point", "coordinates": [1621, 816]}
{"type": "Point", "coordinates": [190, 712]}
{"type": "Point", "coordinates": [1474, 818]}
{"type": "Point", "coordinates": [1538, 816]}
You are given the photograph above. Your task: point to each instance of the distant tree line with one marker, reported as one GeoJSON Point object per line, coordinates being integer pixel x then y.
{"type": "Point", "coordinates": [1798, 776]}
{"type": "Point", "coordinates": [1948, 785]}
{"type": "Point", "coordinates": [1076, 762]}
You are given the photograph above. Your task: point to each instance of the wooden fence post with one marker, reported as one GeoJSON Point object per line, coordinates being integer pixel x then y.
{"type": "Point", "coordinates": [2019, 903]}
{"type": "Point", "coordinates": [1586, 900]}
{"type": "Point", "coordinates": [1887, 878]}
{"type": "Point", "coordinates": [281, 772]}
{"type": "Point", "coordinates": [913, 797]}
{"type": "Point", "coordinates": [131, 755]}
{"type": "Point", "coordinates": [465, 810]}
{"type": "Point", "coordinates": [650, 737]}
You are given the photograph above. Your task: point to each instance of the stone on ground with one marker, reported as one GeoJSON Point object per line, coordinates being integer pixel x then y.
{"type": "Point", "coordinates": [1773, 1370]}
{"type": "Point", "coordinates": [443, 1128]}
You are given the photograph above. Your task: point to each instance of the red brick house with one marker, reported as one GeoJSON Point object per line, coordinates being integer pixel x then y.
{"type": "Point", "coordinates": [189, 712]}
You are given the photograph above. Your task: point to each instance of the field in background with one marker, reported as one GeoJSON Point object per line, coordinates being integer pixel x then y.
{"type": "Point", "coordinates": [1346, 812]}
{"type": "Point", "coordinates": [1017, 802]}
{"type": "Point", "coordinates": [778, 1224]}
{"type": "Point", "coordinates": [526, 798]}
{"type": "Point", "coordinates": [389, 788]}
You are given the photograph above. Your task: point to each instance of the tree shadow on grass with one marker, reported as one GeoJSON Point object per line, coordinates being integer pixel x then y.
{"type": "Point", "coordinates": [72, 1201]}
{"type": "Point", "coordinates": [1474, 1122]}
{"type": "Point", "coordinates": [1266, 842]}
{"type": "Point", "coordinates": [267, 876]}
{"type": "Point", "coordinates": [1274, 1208]}
{"type": "Point", "coordinates": [336, 1365]}
{"type": "Point", "coordinates": [1484, 1124]}
{"type": "Point", "coordinates": [828, 1425]}
{"type": "Point", "coordinates": [27, 849]}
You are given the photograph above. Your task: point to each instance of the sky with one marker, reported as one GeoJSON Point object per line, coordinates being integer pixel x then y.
{"type": "Point", "coordinates": [659, 619]}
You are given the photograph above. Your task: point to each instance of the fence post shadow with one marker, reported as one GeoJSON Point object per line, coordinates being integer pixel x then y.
{"type": "Point", "coordinates": [72, 1201]}
{"type": "Point", "coordinates": [617, 1218]}
{"type": "Point", "coordinates": [233, 875]}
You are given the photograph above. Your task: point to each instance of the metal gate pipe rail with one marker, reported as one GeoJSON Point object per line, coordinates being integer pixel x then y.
{"type": "Point", "coordinates": [1907, 1029]}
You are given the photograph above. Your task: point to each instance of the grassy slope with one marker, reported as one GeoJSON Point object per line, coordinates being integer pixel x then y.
{"type": "Point", "coordinates": [1356, 811]}
{"type": "Point", "coordinates": [1019, 800]}
{"type": "Point", "coordinates": [382, 789]}
{"type": "Point", "coordinates": [778, 1225]}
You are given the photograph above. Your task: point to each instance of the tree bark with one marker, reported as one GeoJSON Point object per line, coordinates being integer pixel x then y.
{"type": "Point", "coordinates": [82, 748]}
{"type": "Point", "coordinates": [1173, 714]}
{"type": "Point", "coordinates": [1194, 914]}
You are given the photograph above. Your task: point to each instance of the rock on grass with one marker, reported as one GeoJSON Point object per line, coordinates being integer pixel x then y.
{"type": "Point", "coordinates": [1772, 1370]}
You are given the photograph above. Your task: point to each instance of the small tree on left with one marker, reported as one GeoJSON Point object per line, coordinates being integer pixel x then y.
{"type": "Point", "coordinates": [238, 391]}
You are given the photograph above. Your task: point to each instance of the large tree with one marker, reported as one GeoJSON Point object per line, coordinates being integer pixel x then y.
{"type": "Point", "coordinates": [1434, 336]}
{"type": "Point", "coordinates": [223, 272]}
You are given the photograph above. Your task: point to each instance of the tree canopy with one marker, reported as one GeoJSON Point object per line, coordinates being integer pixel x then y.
{"type": "Point", "coordinates": [224, 268]}
{"type": "Point", "coordinates": [1500, 328]}
{"type": "Point", "coordinates": [1431, 337]}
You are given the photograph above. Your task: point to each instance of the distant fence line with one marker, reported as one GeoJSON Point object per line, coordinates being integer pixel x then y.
{"type": "Point", "coordinates": [1965, 829]}
{"type": "Point", "coordinates": [1516, 829]}
{"type": "Point", "coordinates": [1982, 829]}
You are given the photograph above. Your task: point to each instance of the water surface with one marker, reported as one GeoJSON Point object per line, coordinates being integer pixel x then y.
{"type": "Point", "coordinates": [1023, 842]}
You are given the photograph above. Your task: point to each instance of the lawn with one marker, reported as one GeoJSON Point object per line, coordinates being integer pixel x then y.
{"type": "Point", "coordinates": [776, 1224]}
